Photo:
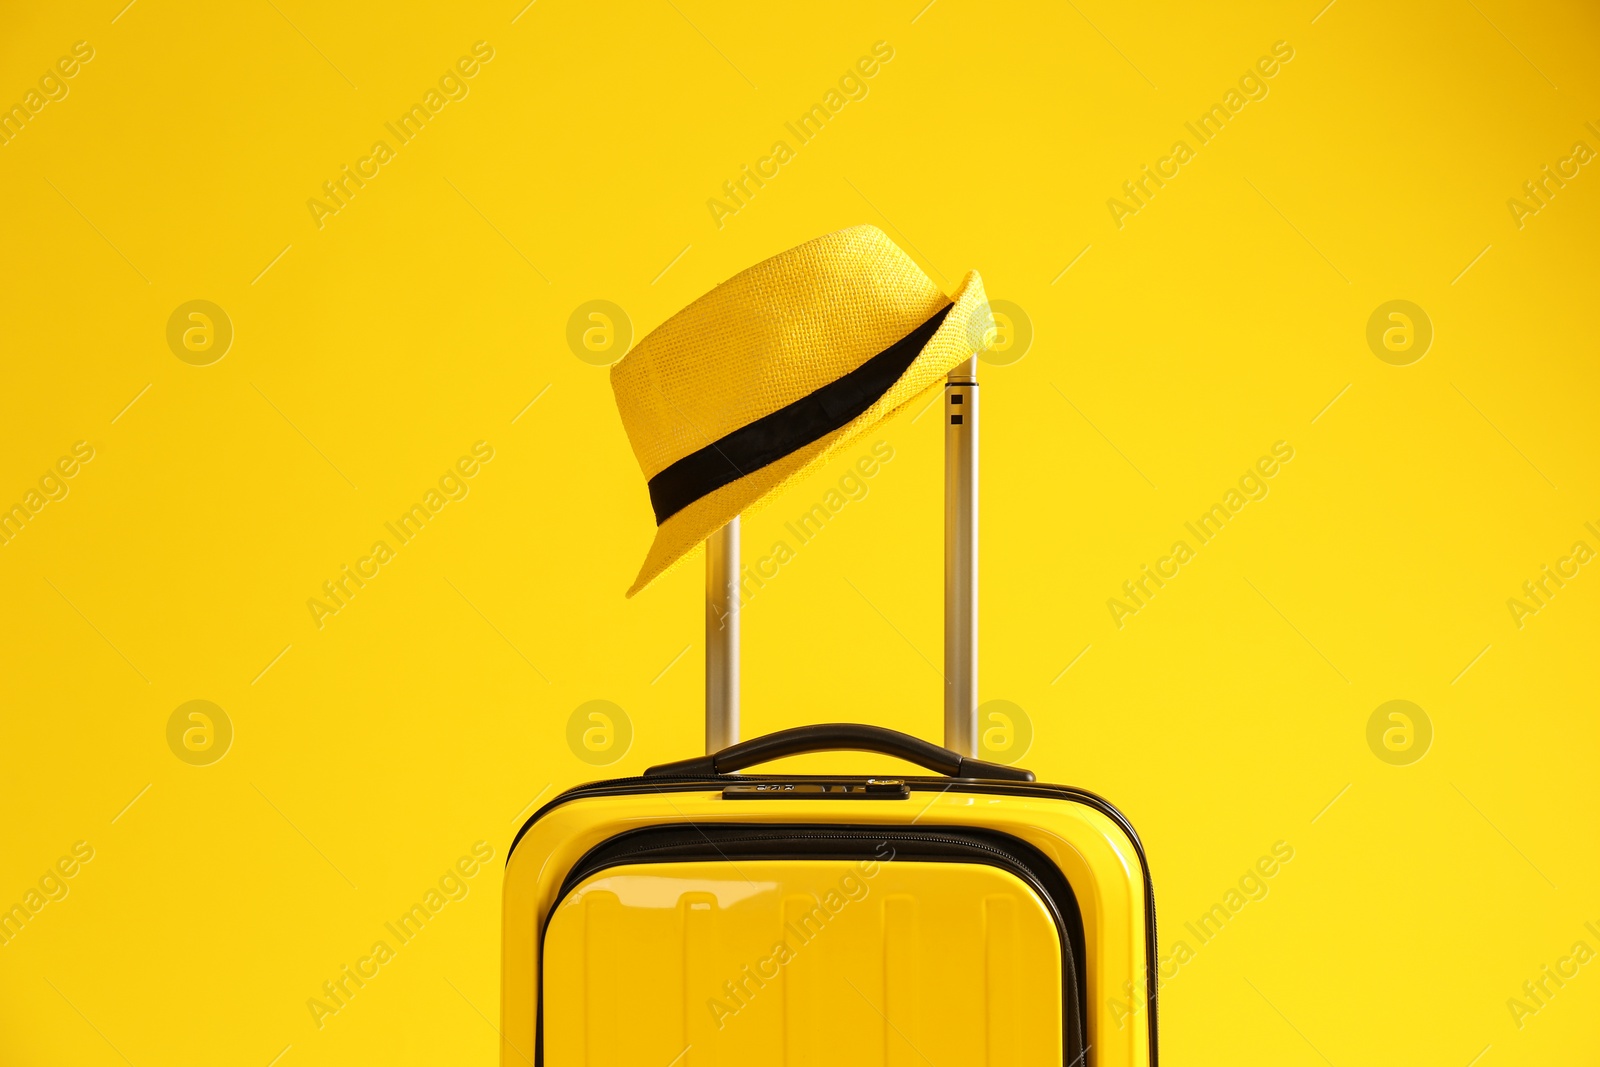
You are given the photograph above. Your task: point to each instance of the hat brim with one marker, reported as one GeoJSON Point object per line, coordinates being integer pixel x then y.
{"type": "Point", "coordinates": [965, 330]}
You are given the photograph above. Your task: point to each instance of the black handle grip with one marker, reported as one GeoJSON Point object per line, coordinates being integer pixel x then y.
{"type": "Point", "coordinates": [834, 736]}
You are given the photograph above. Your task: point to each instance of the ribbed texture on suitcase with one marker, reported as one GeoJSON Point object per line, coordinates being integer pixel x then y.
{"type": "Point", "coordinates": [803, 962]}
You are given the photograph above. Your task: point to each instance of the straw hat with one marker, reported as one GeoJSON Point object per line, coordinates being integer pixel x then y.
{"type": "Point", "coordinates": [760, 380]}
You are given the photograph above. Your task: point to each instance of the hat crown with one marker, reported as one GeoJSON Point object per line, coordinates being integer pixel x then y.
{"type": "Point", "coordinates": [765, 338]}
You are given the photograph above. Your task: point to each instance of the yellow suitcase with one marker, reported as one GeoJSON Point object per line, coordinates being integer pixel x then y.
{"type": "Point", "coordinates": [697, 916]}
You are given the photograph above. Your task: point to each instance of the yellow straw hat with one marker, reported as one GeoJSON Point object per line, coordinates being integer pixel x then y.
{"type": "Point", "coordinates": [760, 380]}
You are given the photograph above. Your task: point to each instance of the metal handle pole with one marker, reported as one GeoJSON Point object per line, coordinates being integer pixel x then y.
{"type": "Point", "coordinates": [961, 559]}
{"type": "Point", "coordinates": [722, 637]}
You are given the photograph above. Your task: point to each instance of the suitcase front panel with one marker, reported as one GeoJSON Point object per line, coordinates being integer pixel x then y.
{"type": "Point", "coordinates": [1098, 858]}
{"type": "Point", "coordinates": [803, 962]}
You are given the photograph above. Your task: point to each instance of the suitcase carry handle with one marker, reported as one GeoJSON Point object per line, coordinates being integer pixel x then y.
{"type": "Point", "coordinates": [835, 736]}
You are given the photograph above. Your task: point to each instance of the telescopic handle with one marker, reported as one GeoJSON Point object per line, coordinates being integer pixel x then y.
{"type": "Point", "coordinates": [960, 588]}
{"type": "Point", "coordinates": [961, 559]}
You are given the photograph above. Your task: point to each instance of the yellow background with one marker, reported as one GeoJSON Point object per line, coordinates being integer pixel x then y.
{"type": "Point", "coordinates": [425, 316]}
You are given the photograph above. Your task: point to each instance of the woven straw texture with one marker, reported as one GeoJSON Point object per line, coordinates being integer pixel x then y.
{"type": "Point", "coordinates": [768, 337]}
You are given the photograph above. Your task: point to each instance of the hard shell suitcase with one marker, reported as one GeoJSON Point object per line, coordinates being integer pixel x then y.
{"type": "Point", "coordinates": [704, 914]}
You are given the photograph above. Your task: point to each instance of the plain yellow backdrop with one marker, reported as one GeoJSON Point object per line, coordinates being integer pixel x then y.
{"type": "Point", "coordinates": [1168, 353]}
